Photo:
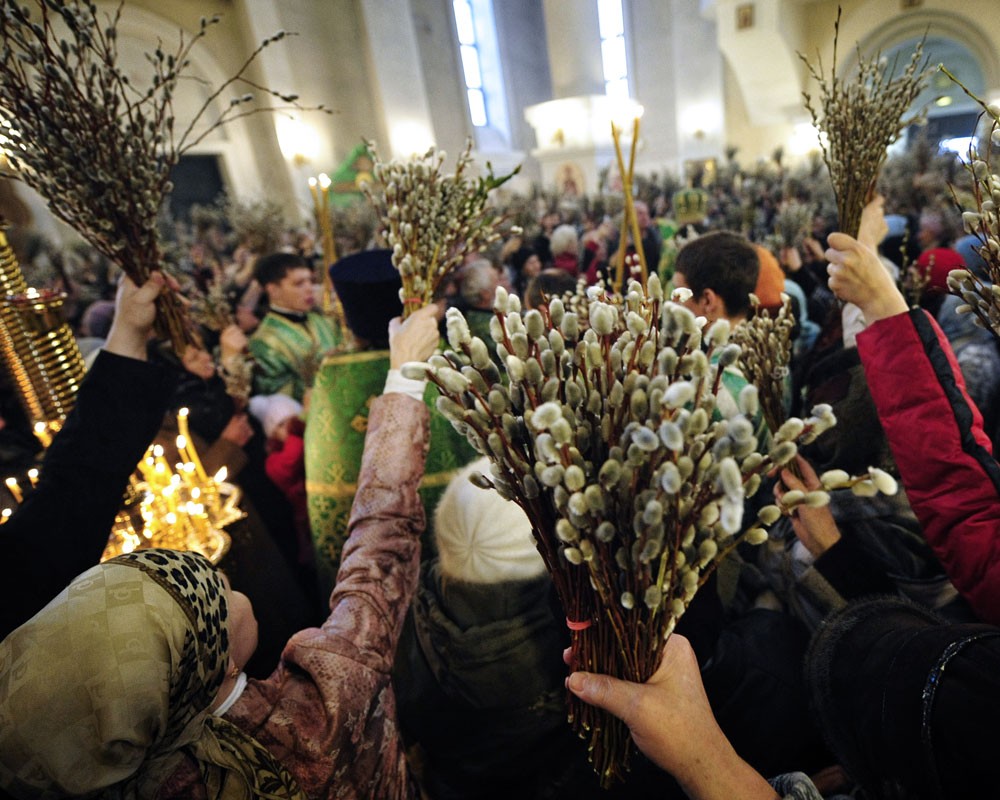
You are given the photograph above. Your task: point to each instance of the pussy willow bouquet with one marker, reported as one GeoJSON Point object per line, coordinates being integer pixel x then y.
{"type": "Point", "coordinates": [211, 308]}
{"type": "Point", "coordinates": [981, 297]}
{"type": "Point", "coordinates": [765, 343]}
{"type": "Point", "coordinates": [766, 351]}
{"type": "Point", "coordinates": [432, 221]}
{"type": "Point", "coordinates": [96, 146]}
{"type": "Point", "coordinates": [609, 436]}
{"type": "Point", "coordinates": [792, 223]}
{"type": "Point", "coordinates": [860, 119]}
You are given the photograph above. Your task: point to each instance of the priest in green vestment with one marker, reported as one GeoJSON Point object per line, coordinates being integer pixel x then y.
{"type": "Point", "coordinates": [292, 339]}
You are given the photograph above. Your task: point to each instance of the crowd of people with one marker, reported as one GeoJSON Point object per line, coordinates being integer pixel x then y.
{"type": "Point", "coordinates": [855, 653]}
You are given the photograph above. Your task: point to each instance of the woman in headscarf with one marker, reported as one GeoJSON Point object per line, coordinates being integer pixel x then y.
{"type": "Point", "coordinates": [129, 683]}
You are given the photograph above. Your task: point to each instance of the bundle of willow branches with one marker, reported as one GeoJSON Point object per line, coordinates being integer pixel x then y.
{"type": "Point", "coordinates": [860, 119]}
{"type": "Point", "coordinates": [982, 297]}
{"type": "Point", "coordinates": [793, 222]}
{"type": "Point", "coordinates": [766, 351]}
{"type": "Point", "coordinates": [96, 146]}
{"type": "Point", "coordinates": [609, 437]}
{"type": "Point", "coordinates": [211, 309]}
{"type": "Point", "coordinates": [432, 221]}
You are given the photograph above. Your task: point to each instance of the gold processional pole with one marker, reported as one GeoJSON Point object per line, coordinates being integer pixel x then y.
{"type": "Point", "coordinates": [320, 190]}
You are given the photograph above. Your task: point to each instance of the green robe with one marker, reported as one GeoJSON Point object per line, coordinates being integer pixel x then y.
{"type": "Point", "coordinates": [288, 354]}
{"type": "Point", "coordinates": [346, 387]}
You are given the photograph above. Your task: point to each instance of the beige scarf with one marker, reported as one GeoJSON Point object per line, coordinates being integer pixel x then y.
{"type": "Point", "coordinates": [105, 689]}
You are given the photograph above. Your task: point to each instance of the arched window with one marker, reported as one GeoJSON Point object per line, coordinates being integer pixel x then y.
{"type": "Point", "coordinates": [471, 61]}
{"type": "Point", "coordinates": [479, 51]}
{"type": "Point", "coordinates": [612, 27]}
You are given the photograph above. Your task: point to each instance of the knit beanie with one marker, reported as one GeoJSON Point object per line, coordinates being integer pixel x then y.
{"type": "Point", "coordinates": [936, 263]}
{"type": "Point", "coordinates": [273, 409]}
{"type": "Point", "coordinates": [481, 537]}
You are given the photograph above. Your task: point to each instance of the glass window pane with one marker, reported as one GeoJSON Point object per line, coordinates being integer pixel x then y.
{"type": "Point", "coordinates": [609, 14]}
{"type": "Point", "coordinates": [613, 55]}
{"type": "Point", "coordinates": [463, 20]}
{"type": "Point", "coordinates": [477, 107]}
{"type": "Point", "coordinates": [617, 89]}
{"type": "Point", "coordinates": [470, 64]}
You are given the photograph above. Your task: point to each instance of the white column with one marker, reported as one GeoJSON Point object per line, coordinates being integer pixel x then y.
{"type": "Point", "coordinates": [573, 34]}
{"type": "Point", "coordinates": [398, 77]}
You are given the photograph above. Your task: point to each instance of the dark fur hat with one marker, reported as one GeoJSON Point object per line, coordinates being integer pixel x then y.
{"type": "Point", "coordinates": [909, 702]}
{"type": "Point", "coordinates": [368, 287]}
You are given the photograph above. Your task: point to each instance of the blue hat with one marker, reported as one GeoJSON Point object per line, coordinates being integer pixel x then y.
{"type": "Point", "coordinates": [897, 224]}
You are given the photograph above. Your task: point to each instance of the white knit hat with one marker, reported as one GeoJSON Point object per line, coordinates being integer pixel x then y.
{"type": "Point", "coordinates": [481, 537]}
{"type": "Point", "coordinates": [273, 409]}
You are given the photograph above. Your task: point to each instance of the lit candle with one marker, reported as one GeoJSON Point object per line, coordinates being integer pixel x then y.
{"type": "Point", "coordinates": [42, 433]}
{"type": "Point", "coordinates": [33, 477]}
{"type": "Point", "coordinates": [620, 255]}
{"type": "Point", "coordinates": [636, 233]}
{"type": "Point", "coordinates": [328, 243]}
{"type": "Point", "coordinates": [15, 490]}
{"type": "Point", "coordinates": [192, 454]}
{"type": "Point", "coordinates": [314, 191]}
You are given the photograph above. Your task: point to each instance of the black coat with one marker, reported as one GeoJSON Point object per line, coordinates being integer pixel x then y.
{"type": "Point", "coordinates": [63, 525]}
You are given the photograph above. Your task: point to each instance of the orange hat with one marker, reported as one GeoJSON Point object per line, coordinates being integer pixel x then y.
{"type": "Point", "coordinates": [771, 281]}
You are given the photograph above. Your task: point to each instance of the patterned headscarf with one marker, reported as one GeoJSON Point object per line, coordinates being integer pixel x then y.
{"type": "Point", "coordinates": [106, 688]}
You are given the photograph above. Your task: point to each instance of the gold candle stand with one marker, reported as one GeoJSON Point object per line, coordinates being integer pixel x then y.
{"type": "Point", "coordinates": [38, 348]}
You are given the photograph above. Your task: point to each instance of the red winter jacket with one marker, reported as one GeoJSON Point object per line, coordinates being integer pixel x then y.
{"type": "Point", "coordinates": [944, 457]}
{"type": "Point", "coordinates": [286, 467]}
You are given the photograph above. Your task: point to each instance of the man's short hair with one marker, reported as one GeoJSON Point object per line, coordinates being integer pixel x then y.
{"type": "Point", "coordinates": [548, 284]}
{"type": "Point", "coordinates": [724, 262]}
{"type": "Point", "coordinates": [274, 267]}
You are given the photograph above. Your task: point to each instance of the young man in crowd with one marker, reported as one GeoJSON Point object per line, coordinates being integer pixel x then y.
{"type": "Point", "coordinates": [292, 339]}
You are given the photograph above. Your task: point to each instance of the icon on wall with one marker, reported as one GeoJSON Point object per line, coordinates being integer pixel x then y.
{"type": "Point", "coordinates": [744, 16]}
{"type": "Point", "coordinates": [569, 179]}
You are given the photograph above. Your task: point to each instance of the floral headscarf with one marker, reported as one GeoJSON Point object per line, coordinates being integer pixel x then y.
{"type": "Point", "coordinates": [106, 687]}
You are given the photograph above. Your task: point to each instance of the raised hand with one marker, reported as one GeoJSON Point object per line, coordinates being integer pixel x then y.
{"type": "Point", "coordinates": [416, 338]}
{"type": "Point", "coordinates": [858, 276]}
{"type": "Point", "coordinates": [135, 311]}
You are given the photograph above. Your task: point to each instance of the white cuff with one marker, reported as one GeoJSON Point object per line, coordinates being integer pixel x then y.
{"type": "Point", "coordinates": [395, 382]}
